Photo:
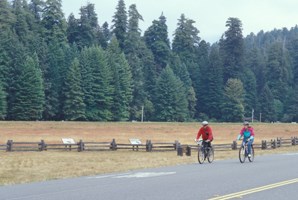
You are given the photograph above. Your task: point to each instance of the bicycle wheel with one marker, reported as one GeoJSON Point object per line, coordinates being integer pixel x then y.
{"type": "Point", "coordinates": [242, 154]}
{"type": "Point", "coordinates": [210, 155]}
{"type": "Point", "coordinates": [201, 156]}
{"type": "Point", "coordinates": [251, 159]}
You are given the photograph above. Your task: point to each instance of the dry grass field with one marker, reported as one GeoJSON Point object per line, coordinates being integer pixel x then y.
{"type": "Point", "coordinates": [22, 167]}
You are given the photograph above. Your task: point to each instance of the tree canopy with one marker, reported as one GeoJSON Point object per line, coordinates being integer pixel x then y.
{"type": "Point", "coordinates": [54, 67]}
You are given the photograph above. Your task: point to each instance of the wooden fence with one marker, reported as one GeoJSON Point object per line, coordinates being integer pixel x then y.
{"type": "Point", "coordinates": [150, 146]}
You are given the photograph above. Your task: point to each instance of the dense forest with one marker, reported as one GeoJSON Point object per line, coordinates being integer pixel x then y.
{"type": "Point", "coordinates": [58, 68]}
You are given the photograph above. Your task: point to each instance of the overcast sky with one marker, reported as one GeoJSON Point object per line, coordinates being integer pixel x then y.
{"type": "Point", "coordinates": [210, 15]}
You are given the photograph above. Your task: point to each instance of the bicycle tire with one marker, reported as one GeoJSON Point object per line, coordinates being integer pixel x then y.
{"type": "Point", "coordinates": [210, 157]}
{"type": "Point", "coordinates": [251, 159]}
{"type": "Point", "coordinates": [201, 156]}
{"type": "Point", "coordinates": [242, 154]}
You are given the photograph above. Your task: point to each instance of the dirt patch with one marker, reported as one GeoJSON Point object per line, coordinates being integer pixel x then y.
{"type": "Point", "coordinates": [161, 132]}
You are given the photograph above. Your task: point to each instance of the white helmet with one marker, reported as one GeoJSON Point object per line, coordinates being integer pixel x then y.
{"type": "Point", "coordinates": [204, 123]}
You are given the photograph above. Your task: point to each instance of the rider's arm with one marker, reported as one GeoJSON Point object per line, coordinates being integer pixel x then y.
{"type": "Point", "coordinates": [199, 134]}
{"type": "Point", "coordinates": [239, 137]}
{"type": "Point", "coordinates": [240, 134]}
{"type": "Point", "coordinates": [210, 136]}
{"type": "Point", "coordinates": [252, 133]}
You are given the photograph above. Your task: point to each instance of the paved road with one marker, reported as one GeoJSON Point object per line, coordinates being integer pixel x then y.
{"type": "Point", "coordinates": [269, 177]}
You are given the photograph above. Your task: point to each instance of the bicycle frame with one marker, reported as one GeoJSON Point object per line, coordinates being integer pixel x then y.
{"type": "Point", "coordinates": [204, 152]}
{"type": "Point", "coordinates": [243, 155]}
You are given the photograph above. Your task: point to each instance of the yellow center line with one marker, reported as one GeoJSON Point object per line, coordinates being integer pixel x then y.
{"type": "Point", "coordinates": [254, 190]}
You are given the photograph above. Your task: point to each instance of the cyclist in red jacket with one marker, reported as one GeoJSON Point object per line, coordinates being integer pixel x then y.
{"type": "Point", "coordinates": [206, 133]}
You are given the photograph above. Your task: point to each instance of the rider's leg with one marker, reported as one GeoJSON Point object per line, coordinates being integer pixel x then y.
{"type": "Point", "coordinates": [243, 142]}
{"type": "Point", "coordinates": [243, 145]}
{"type": "Point", "coordinates": [205, 145]}
{"type": "Point", "coordinates": [249, 145]}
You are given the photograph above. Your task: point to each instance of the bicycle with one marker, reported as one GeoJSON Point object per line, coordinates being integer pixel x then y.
{"type": "Point", "coordinates": [205, 152]}
{"type": "Point", "coordinates": [243, 152]}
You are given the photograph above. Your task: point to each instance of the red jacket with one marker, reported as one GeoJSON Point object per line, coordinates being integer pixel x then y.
{"type": "Point", "coordinates": [206, 133]}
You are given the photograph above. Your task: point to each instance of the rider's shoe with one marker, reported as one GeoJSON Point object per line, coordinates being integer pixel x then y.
{"type": "Point", "coordinates": [249, 155]}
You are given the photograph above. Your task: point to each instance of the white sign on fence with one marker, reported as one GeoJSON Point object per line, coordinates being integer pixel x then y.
{"type": "Point", "coordinates": [68, 141]}
{"type": "Point", "coordinates": [135, 141]}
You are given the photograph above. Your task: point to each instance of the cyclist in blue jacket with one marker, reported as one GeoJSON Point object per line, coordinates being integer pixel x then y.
{"type": "Point", "coordinates": [248, 134]}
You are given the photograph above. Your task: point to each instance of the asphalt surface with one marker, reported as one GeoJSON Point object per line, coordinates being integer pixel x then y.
{"type": "Point", "coordinates": [268, 177]}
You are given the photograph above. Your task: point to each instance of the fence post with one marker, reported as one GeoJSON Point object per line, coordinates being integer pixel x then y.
{"type": "Point", "coordinates": [42, 145]}
{"type": "Point", "coordinates": [188, 151]}
{"type": "Point", "coordinates": [176, 144]}
{"type": "Point", "coordinates": [273, 144]}
{"type": "Point", "coordinates": [9, 145]}
{"type": "Point", "coordinates": [278, 141]}
{"type": "Point", "coordinates": [264, 144]}
{"type": "Point", "coordinates": [179, 150]}
{"type": "Point", "coordinates": [81, 146]}
{"type": "Point", "coordinates": [294, 141]}
{"type": "Point", "coordinates": [113, 145]}
{"type": "Point", "coordinates": [234, 145]}
{"type": "Point", "coordinates": [148, 146]}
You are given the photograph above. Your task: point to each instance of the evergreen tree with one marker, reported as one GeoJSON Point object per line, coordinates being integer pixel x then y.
{"type": "Point", "coordinates": [74, 107]}
{"type": "Point", "coordinates": [232, 49]}
{"type": "Point", "coordinates": [156, 38]}
{"type": "Point", "coordinates": [29, 95]}
{"type": "Point", "coordinates": [215, 84]}
{"type": "Point", "coordinates": [267, 105]}
{"type": "Point", "coordinates": [20, 26]}
{"type": "Point", "coordinates": [255, 62]}
{"type": "Point", "coordinates": [292, 106]}
{"type": "Point", "coordinates": [186, 39]}
{"type": "Point", "coordinates": [73, 32]}
{"type": "Point", "coordinates": [54, 78]}
{"type": "Point", "coordinates": [185, 45]}
{"type": "Point", "coordinates": [122, 81]}
{"type": "Point", "coordinates": [192, 100]}
{"type": "Point", "coordinates": [7, 19]}
{"type": "Point", "coordinates": [133, 50]}
{"type": "Point", "coordinates": [29, 28]}
{"type": "Point", "coordinates": [171, 97]}
{"type": "Point", "coordinates": [278, 71]}
{"type": "Point", "coordinates": [294, 56]}
{"type": "Point", "coordinates": [106, 35]}
{"type": "Point", "coordinates": [15, 50]}
{"type": "Point", "coordinates": [6, 16]}
{"type": "Point", "coordinates": [150, 78]}
{"type": "Point", "coordinates": [88, 26]}
{"type": "Point", "coordinates": [3, 103]}
{"type": "Point", "coordinates": [36, 8]}
{"type": "Point", "coordinates": [96, 86]}
{"type": "Point", "coordinates": [278, 109]}
{"type": "Point", "coordinates": [233, 109]}
{"type": "Point", "coordinates": [54, 22]}
{"type": "Point", "coordinates": [250, 87]}
{"type": "Point", "coordinates": [120, 23]}
{"type": "Point", "coordinates": [116, 86]}
{"type": "Point", "coordinates": [201, 79]}
{"type": "Point", "coordinates": [5, 60]}
{"type": "Point", "coordinates": [181, 72]}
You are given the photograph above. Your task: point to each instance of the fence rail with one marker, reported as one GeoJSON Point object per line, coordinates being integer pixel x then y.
{"type": "Point", "coordinates": [150, 146]}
